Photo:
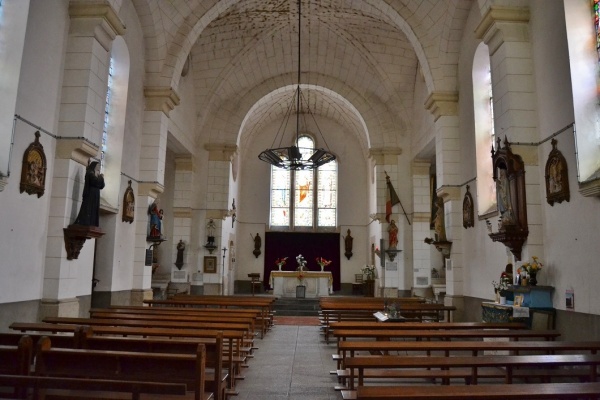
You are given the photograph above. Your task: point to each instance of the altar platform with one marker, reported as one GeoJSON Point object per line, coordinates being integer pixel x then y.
{"type": "Point", "coordinates": [318, 283]}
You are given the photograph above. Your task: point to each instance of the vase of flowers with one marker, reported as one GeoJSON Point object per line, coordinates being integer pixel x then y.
{"type": "Point", "coordinates": [369, 272]}
{"type": "Point", "coordinates": [301, 262]}
{"type": "Point", "coordinates": [323, 263]}
{"type": "Point", "coordinates": [280, 262]}
{"type": "Point", "coordinates": [500, 289]}
{"type": "Point", "coordinates": [531, 268]}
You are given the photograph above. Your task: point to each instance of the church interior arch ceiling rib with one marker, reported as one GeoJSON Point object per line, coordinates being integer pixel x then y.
{"type": "Point", "coordinates": [359, 60]}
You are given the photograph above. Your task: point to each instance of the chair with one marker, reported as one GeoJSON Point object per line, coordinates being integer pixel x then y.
{"type": "Point", "coordinates": [255, 282]}
{"type": "Point", "coordinates": [357, 286]}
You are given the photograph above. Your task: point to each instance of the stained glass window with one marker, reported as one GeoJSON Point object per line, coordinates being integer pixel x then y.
{"type": "Point", "coordinates": [304, 199]}
{"type": "Point", "coordinates": [596, 5]}
{"type": "Point", "coordinates": [106, 116]}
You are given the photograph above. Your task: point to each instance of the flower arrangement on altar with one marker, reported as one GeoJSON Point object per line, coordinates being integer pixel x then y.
{"type": "Point", "coordinates": [301, 262]}
{"type": "Point", "coordinates": [532, 267]}
{"type": "Point", "coordinates": [280, 262]}
{"type": "Point", "coordinates": [500, 286]}
{"type": "Point", "coordinates": [369, 271]}
{"type": "Point", "coordinates": [322, 262]}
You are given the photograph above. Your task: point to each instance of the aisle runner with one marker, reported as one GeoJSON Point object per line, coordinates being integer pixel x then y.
{"type": "Point", "coordinates": [299, 321]}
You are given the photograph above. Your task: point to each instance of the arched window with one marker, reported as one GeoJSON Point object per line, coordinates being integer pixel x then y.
{"type": "Point", "coordinates": [583, 38]}
{"type": "Point", "coordinates": [304, 199]}
{"type": "Point", "coordinates": [483, 110]}
{"type": "Point", "coordinates": [114, 121]}
{"type": "Point", "coordinates": [106, 115]}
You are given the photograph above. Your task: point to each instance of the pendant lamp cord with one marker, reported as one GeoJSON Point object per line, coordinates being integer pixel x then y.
{"type": "Point", "coordinates": [298, 90]}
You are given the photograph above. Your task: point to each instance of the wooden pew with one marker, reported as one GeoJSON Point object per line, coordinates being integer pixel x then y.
{"type": "Point", "coordinates": [253, 313]}
{"type": "Point", "coordinates": [121, 365]}
{"type": "Point", "coordinates": [16, 359]}
{"type": "Point", "coordinates": [449, 334]}
{"type": "Point", "coordinates": [266, 316]}
{"type": "Point", "coordinates": [233, 338]}
{"type": "Point", "coordinates": [62, 387]}
{"type": "Point", "coordinates": [338, 312]}
{"type": "Point", "coordinates": [439, 366]}
{"type": "Point", "coordinates": [151, 323]}
{"type": "Point", "coordinates": [480, 392]}
{"type": "Point", "coordinates": [83, 338]}
{"type": "Point", "coordinates": [475, 347]}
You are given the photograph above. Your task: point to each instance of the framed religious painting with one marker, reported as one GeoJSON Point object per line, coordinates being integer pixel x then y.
{"type": "Point", "coordinates": [557, 178]}
{"type": "Point", "coordinates": [33, 170]}
{"type": "Point", "coordinates": [210, 264]}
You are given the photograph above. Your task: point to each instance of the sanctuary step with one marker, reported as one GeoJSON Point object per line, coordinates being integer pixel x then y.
{"type": "Point", "coordinates": [296, 307]}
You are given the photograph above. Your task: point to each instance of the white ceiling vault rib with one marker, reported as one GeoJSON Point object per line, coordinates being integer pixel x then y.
{"type": "Point", "coordinates": [365, 52]}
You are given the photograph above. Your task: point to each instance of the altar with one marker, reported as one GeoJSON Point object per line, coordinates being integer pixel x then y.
{"type": "Point", "coordinates": [318, 283]}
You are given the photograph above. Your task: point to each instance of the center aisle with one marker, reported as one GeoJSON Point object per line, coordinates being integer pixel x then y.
{"type": "Point", "coordinates": [292, 362]}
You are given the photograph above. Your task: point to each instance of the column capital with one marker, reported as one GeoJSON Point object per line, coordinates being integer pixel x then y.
{"type": "Point", "coordinates": [161, 98]}
{"type": "Point", "coordinates": [77, 149]}
{"type": "Point", "coordinates": [421, 167]}
{"type": "Point", "coordinates": [442, 104]}
{"type": "Point", "coordinates": [385, 155]}
{"type": "Point", "coordinates": [150, 189]}
{"type": "Point", "coordinates": [449, 193]}
{"type": "Point", "coordinates": [97, 19]}
{"type": "Point", "coordinates": [220, 151]}
{"type": "Point", "coordinates": [503, 24]}
{"type": "Point", "coordinates": [183, 163]}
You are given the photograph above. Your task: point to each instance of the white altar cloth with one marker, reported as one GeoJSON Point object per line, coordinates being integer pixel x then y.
{"type": "Point", "coordinates": [318, 283]}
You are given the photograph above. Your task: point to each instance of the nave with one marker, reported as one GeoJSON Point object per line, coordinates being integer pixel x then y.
{"type": "Point", "coordinates": [292, 363]}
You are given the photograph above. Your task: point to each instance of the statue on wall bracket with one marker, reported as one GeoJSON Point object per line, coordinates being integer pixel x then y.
{"type": "Point", "coordinates": [33, 170]}
{"type": "Point", "coordinates": [86, 225]}
{"type": "Point", "coordinates": [509, 177]}
{"type": "Point", "coordinates": [468, 210]}
{"type": "Point", "coordinates": [128, 204]}
{"type": "Point", "coordinates": [557, 177]}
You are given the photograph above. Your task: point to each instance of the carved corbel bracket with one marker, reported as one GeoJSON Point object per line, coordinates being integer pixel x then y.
{"type": "Point", "coordinates": [513, 239]}
{"type": "Point", "coordinates": [75, 237]}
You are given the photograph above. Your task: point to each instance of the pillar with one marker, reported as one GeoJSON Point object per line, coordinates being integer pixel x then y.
{"type": "Point", "coordinates": [93, 28]}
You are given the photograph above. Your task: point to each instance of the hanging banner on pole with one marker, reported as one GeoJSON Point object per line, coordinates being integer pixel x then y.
{"type": "Point", "coordinates": [391, 198]}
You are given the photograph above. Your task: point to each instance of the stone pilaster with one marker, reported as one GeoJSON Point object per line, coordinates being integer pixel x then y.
{"type": "Point", "coordinates": [506, 31]}
{"type": "Point", "coordinates": [390, 281]}
{"type": "Point", "coordinates": [444, 107]}
{"type": "Point", "coordinates": [91, 31]}
{"type": "Point", "coordinates": [182, 213]}
{"type": "Point", "coordinates": [159, 102]}
{"type": "Point", "coordinates": [217, 206]}
{"type": "Point", "coordinates": [421, 223]}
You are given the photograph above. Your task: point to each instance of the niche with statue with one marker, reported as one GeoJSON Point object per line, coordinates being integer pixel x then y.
{"type": "Point", "coordinates": [509, 177]}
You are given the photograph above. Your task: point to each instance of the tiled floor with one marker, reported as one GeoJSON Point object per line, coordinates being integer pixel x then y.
{"type": "Point", "coordinates": [292, 362]}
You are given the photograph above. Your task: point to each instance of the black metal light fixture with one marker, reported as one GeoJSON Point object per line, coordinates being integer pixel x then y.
{"type": "Point", "coordinates": [295, 157]}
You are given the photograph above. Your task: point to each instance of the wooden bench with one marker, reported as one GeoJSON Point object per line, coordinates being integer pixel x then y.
{"type": "Point", "coordinates": [253, 313]}
{"type": "Point", "coordinates": [43, 387]}
{"type": "Point", "coordinates": [494, 366]}
{"type": "Point", "coordinates": [83, 338]}
{"type": "Point", "coordinates": [339, 312]}
{"type": "Point", "coordinates": [479, 392]}
{"type": "Point", "coordinates": [16, 359]}
{"type": "Point", "coordinates": [233, 338]}
{"type": "Point", "coordinates": [475, 348]}
{"type": "Point", "coordinates": [448, 334]}
{"type": "Point", "coordinates": [265, 306]}
{"type": "Point", "coordinates": [121, 365]}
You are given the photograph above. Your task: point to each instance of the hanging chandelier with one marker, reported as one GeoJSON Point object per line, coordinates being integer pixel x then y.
{"type": "Point", "coordinates": [295, 157]}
